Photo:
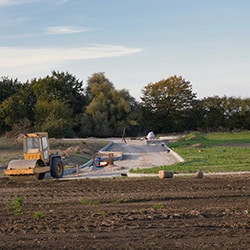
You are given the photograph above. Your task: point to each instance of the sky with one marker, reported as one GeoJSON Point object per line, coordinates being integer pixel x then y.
{"type": "Point", "coordinates": [135, 42]}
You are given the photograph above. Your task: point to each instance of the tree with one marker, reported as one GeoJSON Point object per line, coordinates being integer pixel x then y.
{"type": "Point", "coordinates": [17, 110]}
{"type": "Point", "coordinates": [108, 110]}
{"type": "Point", "coordinates": [51, 103]}
{"type": "Point", "coordinates": [214, 118]}
{"type": "Point", "coordinates": [232, 112]}
{"type": "Point", "coordinates": [8, 87]}
{"type": "Point", "coordinates": [167, 103]}
{"type": "Point", "coordinates": [195, 119]}
{"type": "Point", "coordinates": [53, 117]}
{"type": "Point", "coordinates": [245, 112]}
{"type": "Point", "coordinates": [226, 113]}
{"type": "Point", "coordinates": [60, 86]}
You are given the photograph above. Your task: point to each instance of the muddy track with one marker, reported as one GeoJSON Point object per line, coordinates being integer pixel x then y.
{"type": "Point", "coordinates": [126, 213]}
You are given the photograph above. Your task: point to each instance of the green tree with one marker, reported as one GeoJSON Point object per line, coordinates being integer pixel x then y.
{"type": "Point", "coordinates": [12, 111]}
{"type": "Point", "coordinates": [54, 117]}
{"type": "Point", "coordinates": [8, 88]}
{"type": "Point", "coordinates": [232, 112]}
{"type": "Point", "coordinates": [195, 116]}
{"type": "Point", "coordinates": [49, 104]}
{"type": "Point", "coordinates": [245, 113]}
{"type": "Point", "coordinates": [108, 111]}
{"type": "Point", "coordinates": [60, 86]}
{"type": "Point", "coordinates": [17, 110]}
{"type": "Point", "coordinates": [235, 112]}
{"type": "Point", "coordinates": [226, 113]}
{"type": "Point", "coordinates": [214, 117]}
{"type": "Point", "coordinates": [168, 103]}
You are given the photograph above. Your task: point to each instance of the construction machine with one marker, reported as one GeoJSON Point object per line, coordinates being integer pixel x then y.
{"type": "Point", "coordinates": [38, 159]}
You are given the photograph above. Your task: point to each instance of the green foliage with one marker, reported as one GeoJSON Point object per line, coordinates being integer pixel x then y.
{"type": "Point", "coordinates": [59, 100]}
{"type": "Point", "coordinates": [54, 117]}
{"type": "Point", "coordinates": [120, 200]}
{"type": "Point", "coordinates": [8, 88]}
{"type": "Point", "coordinates": [16, 206]}
{"type": "Point", "coordinates": [18, 108]}
{"type": "Point", "coordinates": [158, 206]}
{"type": "Point", "coordinates": [13, 110]}
{"type": "Point", "coordinates": [85, 201]}
{"type": "Point", "coordinates": [59, 104]}
{"type": "Point", "coordinates": [226, 112]}
{"type": "Point", "coordinates": [108, 110]}
{"type": "Point", "coordinates": [62, 87]}
{"type": "Point", "coordinates": [168, 103]}
{"type": "Point", "coordinates": [102, 213]}
{"type": "Point", "coordinates": [38, 214]}
{"type": "Point", "coordinates": [49, 104]}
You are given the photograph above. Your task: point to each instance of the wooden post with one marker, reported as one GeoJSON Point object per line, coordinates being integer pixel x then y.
{"type": "Point", "coordinates": [77, 170]}
{"type": "Point", "coordinates": [111, 159]}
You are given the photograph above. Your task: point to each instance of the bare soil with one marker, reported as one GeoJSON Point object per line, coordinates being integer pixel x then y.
{"type": "Point", "coordinates": [126, 213]}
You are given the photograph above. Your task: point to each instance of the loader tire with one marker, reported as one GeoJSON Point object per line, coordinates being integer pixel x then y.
{"type": "Point", "coordinates": [57, 169]}
{"type": "Point", "coordinates": [41, 176]}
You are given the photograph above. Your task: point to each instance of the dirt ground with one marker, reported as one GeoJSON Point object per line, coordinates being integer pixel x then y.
{"type": "Point", "coordinates": [126, 213]}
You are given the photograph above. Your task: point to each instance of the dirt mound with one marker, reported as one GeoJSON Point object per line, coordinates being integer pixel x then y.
{"type": "Point", "coordinates": [77, 150]}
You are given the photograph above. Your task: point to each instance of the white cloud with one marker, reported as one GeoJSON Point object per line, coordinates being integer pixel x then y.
{"type": "Point", "coordinates": [15, 2]}
{"type": "Point", "coordinates": [16, 57]}
{"type": "Point", "coordinates": [62, 1]}
{"type": "Point", "coordinates": [57, 30]}
{"type": "Point", "coordinates": [54, 30]}
{"type": "Point", "coordinates": [27, 63]}
{"type": "Point", "coordinates": [20, 2]}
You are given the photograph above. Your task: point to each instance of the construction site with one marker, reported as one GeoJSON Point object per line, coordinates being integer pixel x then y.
{"type": "Point", "coordinates": [101, 205]}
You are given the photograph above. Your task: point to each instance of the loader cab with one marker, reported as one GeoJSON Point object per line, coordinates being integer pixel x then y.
{"type": "Point", "coordinates": [31, 145]}
{"type": "Point", "coordinates": [36, 146]}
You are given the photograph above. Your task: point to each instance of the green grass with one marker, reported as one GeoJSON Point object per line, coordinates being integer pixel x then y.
{"type": "Point", "coordinates": [234, 137]}
{"type": "Point", "coordinates": [85, 201]}
{"type": "Point", "coordinates": [212, 139]}
{"type": "Point", "coordinates": [16, 206]}
{"type": "Point", "coordinates": [38, 214]}
{"type": "Point", "coordinates": [211, 152]}
{"type": "Point", "coordinates": [157, 206]}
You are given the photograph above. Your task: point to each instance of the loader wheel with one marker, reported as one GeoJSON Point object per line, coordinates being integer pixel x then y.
{"type": "Point", "coordinates": [57, 168]}
{"type": "Point", "coordinates": [41, 176]}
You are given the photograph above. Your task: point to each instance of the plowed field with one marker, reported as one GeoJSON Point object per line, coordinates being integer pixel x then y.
{"type": "Point", "coordinates": [126, 213]}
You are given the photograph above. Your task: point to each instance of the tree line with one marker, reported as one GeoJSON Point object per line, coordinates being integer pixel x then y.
{"type": "Point", "coordinates": [61, 105]}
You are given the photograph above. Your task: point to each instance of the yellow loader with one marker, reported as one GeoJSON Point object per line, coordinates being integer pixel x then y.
{"type": "Point", "coordinates": [37, 159]}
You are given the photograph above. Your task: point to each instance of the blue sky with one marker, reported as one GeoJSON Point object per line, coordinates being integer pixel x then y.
{"type": "Point", "coordinates": [135, 42]}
